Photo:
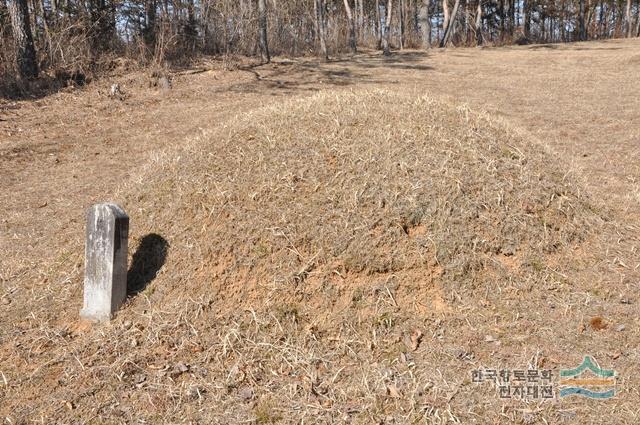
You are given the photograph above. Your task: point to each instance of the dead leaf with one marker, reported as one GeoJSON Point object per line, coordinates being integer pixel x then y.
{"type": "Point", "coordinates": [541, 362]}
{"type": "Point", "coordinates": [393, 391]}
{"type": "Point", "coordinates": [598, 323]}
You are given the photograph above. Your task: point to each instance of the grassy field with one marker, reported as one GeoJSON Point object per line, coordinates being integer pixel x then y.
{"type": "Point", "coordinates": [340, 242]}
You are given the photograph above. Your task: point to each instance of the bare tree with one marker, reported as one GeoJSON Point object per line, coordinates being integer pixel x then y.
{"type": "Point", "coordinates": [424, 21]}
{"type": "Point", "coordinates": [352, 27]}
{"type": "Point", "coordinates": [318, 5]}
{"type": "Point", "coordinates": [445, 15]}
{"type": "Point", "coordinates": [526, 18]}
{"type": "Point", "coordinates": [450, 24]}
{"type": "Point", "coordinates": [629, 20]}
{"type": "Point", "coordinates": [401, 19]}
{"type": "Point", "coordinates": [582, 28]}
{"type": "Point", "coordinates": [262, 18]}
{"type": "Point", "coordinates": [379, 26]}
{"type": "Point", "coordinates": [25, 49]}
{"type": "Point", "coordinates": [478, 24]}
{"type": "Point", "coordinates": [386, 39]}
{"type": "Point", "coordinates": [149, 30]}
{"type": "Point", "coordinates": [102, 30]}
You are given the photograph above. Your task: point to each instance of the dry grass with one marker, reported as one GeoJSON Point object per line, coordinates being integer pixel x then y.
{"type": "Point", "coordinates": [345, 257]}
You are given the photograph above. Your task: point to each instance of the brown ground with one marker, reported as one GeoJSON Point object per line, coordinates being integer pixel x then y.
{"type": "Point", "coordinates": [60, 154]}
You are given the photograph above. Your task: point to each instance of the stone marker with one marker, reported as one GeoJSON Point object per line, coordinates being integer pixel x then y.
{"type": "Point", "coordinates": [105, 275]}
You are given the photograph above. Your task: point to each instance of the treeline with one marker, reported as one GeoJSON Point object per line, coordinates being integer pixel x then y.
{"type": "Point", "coordinates": [73, 37]}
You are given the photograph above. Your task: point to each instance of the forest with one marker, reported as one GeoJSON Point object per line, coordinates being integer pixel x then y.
{"type": "Point", "coordinates": [70, 38]}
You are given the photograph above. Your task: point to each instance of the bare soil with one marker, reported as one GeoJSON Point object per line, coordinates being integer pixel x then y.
{"type": "Point", "coordinates": [346, 241]}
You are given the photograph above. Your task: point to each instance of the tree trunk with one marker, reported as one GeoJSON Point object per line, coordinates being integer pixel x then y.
{"type": "Point", "coordinates": [47, 32]}
{"type": "Point", "coordinates": [562, 25]}
{"type": "Point", "coordinates": [401, 17]}
{"type": "Point", "coordinates": [582, 30]}
{"type": "Point", "coordinates": [352, 27]}
{"type": "Point", "coordinates": [500, 11]}
{"type": "Point", "coordinates": [449, 29]}
{"type": "Point", "coordinates": [591, 9]}
{"type": "Point", "coordinates": [386, 40]}
{"type": "Point", "coordinates": [379, 25]}
{"type": "Point", "coordinates": [149, 34]}
{"type": "Point", "coordinates": [425, 24]}
{"type": "Point", "coordinates": [505, 16]}
{"type": "Point", "coordinates": [601, 20]}
{"type": "Point", "coordinates": [614, 20]}
{"type": "Point", "coordinates": [513, 17]}
{"type": "Point", "coordinates": [319, 9]}
{"type": "Point", "coordinates": [479, 24]}
{"type": "Point", "coordinates": [103, 27]}
{"type": "Point", "coordinates": [629, 20]}
{"type": "Point", "coordinates": [438, 20]}
{"type": "Point", "coordinates": [526, 17]}
{"type": "Point", "coordinates": [25, 49]}
{"type": "Point", "coordinates": [445, 15]}
{"type": "Point", "coordinates": [262, 24]}
{"type": "Point", "coordinates": [467, 20]}
{"type": "Point", "coordinates": [618, 30]}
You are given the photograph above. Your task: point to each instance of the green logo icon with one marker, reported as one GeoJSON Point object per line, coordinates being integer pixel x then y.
{"type": "Point", "coordinates": [573, 383]}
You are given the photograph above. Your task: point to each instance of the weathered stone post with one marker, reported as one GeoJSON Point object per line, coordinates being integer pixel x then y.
{"type": "Point", "coordinates": [105, 276]}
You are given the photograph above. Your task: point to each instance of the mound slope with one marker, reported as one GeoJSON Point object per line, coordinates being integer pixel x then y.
{"type": "Point", "coordinates": [360, 184]}
{"type": "Point", "coordinates": [325, 259]}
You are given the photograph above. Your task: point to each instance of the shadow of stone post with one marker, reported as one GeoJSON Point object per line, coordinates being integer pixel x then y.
{"type": "Point", "coordinates": [147, 261]}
